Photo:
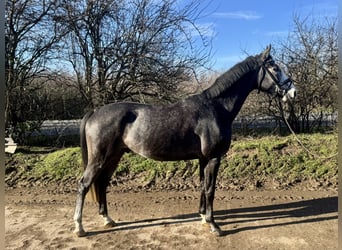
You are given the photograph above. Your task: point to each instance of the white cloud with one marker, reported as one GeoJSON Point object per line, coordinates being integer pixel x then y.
{"type": "Point", "coordinates": [247, 15]}
{"type": "Point", "coordinates": [204, 29]}
{"type": "Point", "coordinates": [279, 33]}
{"type": "Point", "coordinates": [321, 9]}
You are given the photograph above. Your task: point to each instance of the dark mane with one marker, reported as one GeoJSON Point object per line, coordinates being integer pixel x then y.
{"type": "Point", "coordinates": [227, 79]}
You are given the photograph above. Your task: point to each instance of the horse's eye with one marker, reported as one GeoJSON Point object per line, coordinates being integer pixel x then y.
{"type": "Point", "coordinates": [270, 64]}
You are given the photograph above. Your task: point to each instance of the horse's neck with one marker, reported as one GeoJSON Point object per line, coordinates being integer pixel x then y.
{"type": "Point", "coordinates": [233, 99]}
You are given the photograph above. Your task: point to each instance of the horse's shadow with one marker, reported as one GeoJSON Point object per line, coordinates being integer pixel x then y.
{"type": "Point", "coordinates": [306, 211]}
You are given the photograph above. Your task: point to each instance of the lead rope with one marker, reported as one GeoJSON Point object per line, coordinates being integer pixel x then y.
{"type": "Point", "coordinates": [301, 143]}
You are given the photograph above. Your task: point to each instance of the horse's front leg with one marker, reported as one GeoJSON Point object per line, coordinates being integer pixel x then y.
{"type": "Point", "coordinates": [210, 174]}
{"type": "Point", "coordinates": [202, 207]}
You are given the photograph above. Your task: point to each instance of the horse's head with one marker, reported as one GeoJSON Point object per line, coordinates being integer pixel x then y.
{"type": "Point", "coordinates": [272, 78]}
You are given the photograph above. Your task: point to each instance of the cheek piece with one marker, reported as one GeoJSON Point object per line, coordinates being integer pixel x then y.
{"type": "Point", "coordinates": [284, 88]}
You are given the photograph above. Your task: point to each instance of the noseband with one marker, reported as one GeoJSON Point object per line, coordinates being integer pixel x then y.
{"type": "Point", "coordinates": [279, 84]}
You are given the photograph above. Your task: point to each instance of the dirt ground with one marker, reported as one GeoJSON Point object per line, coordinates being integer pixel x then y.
{"type": "Point", "coordinates": [40, 218]}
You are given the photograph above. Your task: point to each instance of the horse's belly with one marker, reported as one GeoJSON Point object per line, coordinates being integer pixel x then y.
{"type": "Point", "coordinates": [163, 149]}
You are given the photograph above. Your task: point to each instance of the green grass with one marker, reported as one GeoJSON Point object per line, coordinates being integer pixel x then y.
{"type": "Point", "coordinates": [60, 164]}
{"type": "Point", "coordinates": [284, 157]}
{"type": "Point", "coordinates": [278, 157]}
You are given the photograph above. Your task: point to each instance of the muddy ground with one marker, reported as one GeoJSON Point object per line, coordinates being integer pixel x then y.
{"type": "Point", "coordinates": [41, 218]}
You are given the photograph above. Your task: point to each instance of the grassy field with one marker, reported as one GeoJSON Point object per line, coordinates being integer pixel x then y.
{"type": "Point", "coordinates": [280, 158]}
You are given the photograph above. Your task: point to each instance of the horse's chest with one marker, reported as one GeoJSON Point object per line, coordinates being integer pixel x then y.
{"type": "Point", "coordinates": [215, 140]}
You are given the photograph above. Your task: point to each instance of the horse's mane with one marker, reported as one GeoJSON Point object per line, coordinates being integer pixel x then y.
{"type": "Point", "coordinates": [227, 79]}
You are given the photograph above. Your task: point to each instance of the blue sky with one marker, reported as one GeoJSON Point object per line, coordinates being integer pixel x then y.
{"type": "Point", "coordinates": [250, 25]}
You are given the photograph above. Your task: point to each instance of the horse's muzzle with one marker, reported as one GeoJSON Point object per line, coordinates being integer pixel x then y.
{"type": "Point", "coordinates": [290, 94]}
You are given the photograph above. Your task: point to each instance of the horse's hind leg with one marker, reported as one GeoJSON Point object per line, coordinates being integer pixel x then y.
{"type": "Point", "coordinates": [103, 211]}
{"type": "Point", "coordinates": [87, 179]}
{"type": "Point", "coordinates": [101, 187]}
{"type": "Point", "coordinates": [110, 163]}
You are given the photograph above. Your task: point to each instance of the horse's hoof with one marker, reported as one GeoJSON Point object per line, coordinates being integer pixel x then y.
{"type": "Point", "coordinates": [80, 233]}
{"type": "Point", "coordinates": [213, 227]}
{"type": "Point", "coordinates": [109, 224]}
{"type": "Point", "coordinates": [203, 220]}
{"type": "Point", "coordinates": [217, 232]}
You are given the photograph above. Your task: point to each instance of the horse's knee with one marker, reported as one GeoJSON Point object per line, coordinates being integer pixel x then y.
{"type": "Point", "coordinates": [82, 189]}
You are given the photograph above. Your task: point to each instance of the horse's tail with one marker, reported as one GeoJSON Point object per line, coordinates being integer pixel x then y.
{"type": "Point", "coordinates": [92, 193]}
{"type": "Point", "coordinates": [83, 140]}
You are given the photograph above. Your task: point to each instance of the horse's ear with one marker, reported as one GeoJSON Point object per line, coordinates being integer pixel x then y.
{"type": "Point", "coordinates": [266, 53]}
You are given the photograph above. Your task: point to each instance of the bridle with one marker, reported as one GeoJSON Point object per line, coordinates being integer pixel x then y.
{"type": "Point", "coordinates": [279, 84]}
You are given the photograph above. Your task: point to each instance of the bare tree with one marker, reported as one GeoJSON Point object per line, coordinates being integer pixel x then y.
{"type": "Point", "coordinates": [29, 37]}
{"type": "Point", "coordinates": [309, 54]}
{"type": "Point", "coordinates": [132, 49]}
